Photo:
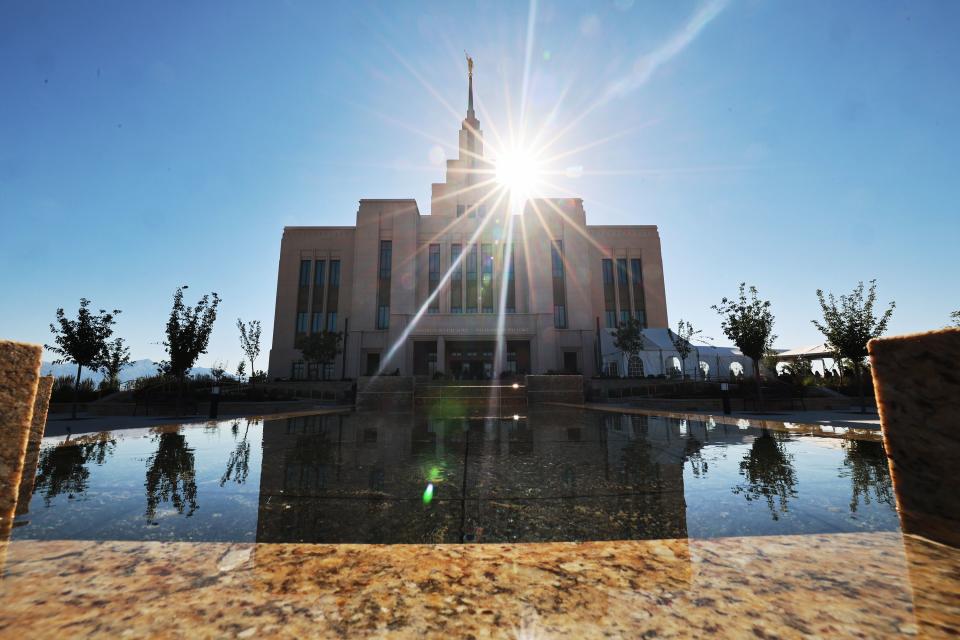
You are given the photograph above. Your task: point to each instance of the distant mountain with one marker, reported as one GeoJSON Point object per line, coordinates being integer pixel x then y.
{"type": "Point", "coordinates": [134, 370]}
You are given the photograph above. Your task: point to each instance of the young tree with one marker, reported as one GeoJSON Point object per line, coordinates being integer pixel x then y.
{"type": "Point", "coordinates": [241, 371]}
{"type": "Point", "coordinates": [628, 337]}
{"type": "Point", "coordinates": [82, 341]}
{"type": "Point", "coordinates": [850, 323]}
{"type": "Point", "coordinates": [188, 334]}
{"type": "Point", "coordinates": [749, 324]}
{"type": "Point", "coordinates": [218, 371]}
{"type": "Point", "coordinates": [320, 348]}
{"type": "Point", "coordinates": [681, 342]}
{"type": "Point", "coordinates": [250, 343]}
{"type": "Point", "coordinates": [115, 357]}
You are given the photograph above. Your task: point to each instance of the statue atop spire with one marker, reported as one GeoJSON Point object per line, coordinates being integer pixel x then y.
{"type": "Point", "coordinates": [470, 114]}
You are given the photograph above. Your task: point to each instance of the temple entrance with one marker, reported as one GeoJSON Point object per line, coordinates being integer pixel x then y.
{"type": "Point", "coordinates": [471, 360]}
{"type": "Point", "coordinates": [474, 360]}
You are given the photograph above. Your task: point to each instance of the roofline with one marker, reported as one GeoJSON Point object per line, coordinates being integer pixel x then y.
{"type": "Point", "coordinates": [621, 226]}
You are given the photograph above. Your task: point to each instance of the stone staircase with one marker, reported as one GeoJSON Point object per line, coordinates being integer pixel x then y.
{"type": "Point", "coordinates": [471, 398]}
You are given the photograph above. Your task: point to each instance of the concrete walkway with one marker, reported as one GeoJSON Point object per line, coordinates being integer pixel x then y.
{"type": "Point", "coordinates": [60, 424]}
{"type": "Point", "coordinates": [850, 418]}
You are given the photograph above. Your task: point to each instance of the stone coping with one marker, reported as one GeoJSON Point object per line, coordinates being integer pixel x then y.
{"type": "Point", "coordinates": [837, 586]}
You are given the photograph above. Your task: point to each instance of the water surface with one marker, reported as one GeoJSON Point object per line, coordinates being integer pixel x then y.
{"type": "Point", "coordinates": [552, 475]}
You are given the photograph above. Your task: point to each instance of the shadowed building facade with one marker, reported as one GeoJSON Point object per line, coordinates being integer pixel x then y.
{"type": "Point", "coordinates": [431, 293]}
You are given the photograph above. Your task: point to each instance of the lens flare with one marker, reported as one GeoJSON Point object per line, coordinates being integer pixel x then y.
{"type": "Point", "coordinates": [428, 494]}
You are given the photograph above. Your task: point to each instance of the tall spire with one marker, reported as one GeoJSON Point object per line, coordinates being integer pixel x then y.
{"type": "Point", "coordinates": [470, 114]}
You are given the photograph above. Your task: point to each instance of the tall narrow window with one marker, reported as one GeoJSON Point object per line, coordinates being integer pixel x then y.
{"type": "Point", "coordinates": [559, 286]}
{"type": "Point", "coordinates": [333, 295]}
{"type": "Point", "coordinates": [460, 210]}
{"type": "Point", "coordinates": [456, 280]}
{"type": "Point", "coordinates": [639, 300]}
{"type": "Point", "coordinates": [511, 297]}
{"type": "Point", "coordinates": [609, 295]}
{"type": "Point", "coordinates": [623, 289]}
{"type": "Point", "coordinates": [383, 284]}
{"type": "Point", "coordinates": [434, 269]}
{"type": "Point", "coordinates": [303, 296]}
{"type": "Point", "coordinates": [319, 274]}
{"type": "Point", "coordinates": [472, 279]}
{"type": "Point", "coordinates": [486, 278]}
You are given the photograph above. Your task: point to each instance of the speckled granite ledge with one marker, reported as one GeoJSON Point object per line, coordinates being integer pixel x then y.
{"type": "Point", "coordinates": [844, 585]}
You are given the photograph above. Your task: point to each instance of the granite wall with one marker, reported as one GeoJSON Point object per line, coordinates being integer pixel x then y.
{"type": "Point", "coordinates": [918, 397]}
{"type": "Point", "coordinates": [19, 376]}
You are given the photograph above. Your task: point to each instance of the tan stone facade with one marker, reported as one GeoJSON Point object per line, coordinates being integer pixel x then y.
{"type": "Point", "coordinates": [432, 293]}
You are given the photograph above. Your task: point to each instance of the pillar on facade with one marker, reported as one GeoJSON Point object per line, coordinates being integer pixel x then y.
{"type": "Point", "coordinates": [442, 355]}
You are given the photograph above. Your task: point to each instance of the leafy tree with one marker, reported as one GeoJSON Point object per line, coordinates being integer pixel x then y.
{"type": "Point", "coordinates": [83, 341]}
{"type": "Point", "coordinates": [749, 324]}
{"type": "Point", "coordinates": [217, 371]}
{"type": "Point", "coordinates": [955, 318]}
{"type": "Point", "coordinates": [238, 463]}
{"type": "Point", "coordinates": [320, 348]}
{"type": "Point", "coordinates": [188, 334]}
{"type": "Point", "coordinates": [171, 475]}
{"type": "Point", "coordinates": [116, 356]}
{"type": "Point", "coordinates": [241, 371]}
{"type": "Point", "coordinates": [866, 463]}
{"type": "Point", "coordinates": [681, 342]}
{"type": "Point", "coordinates": [850, 323]}
{"type": "Point", "coordinates": [250, 342]}
{"type": "Point", "coordinates": [768, 470]}
{"type": "Point", "coordinates": [628, 336]}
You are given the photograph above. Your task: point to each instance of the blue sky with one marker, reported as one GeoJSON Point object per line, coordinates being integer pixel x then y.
{"type": "Point", "coordinates": [791, 145]}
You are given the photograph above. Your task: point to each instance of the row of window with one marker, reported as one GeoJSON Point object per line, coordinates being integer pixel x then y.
{"type": "Point", "coordinates": [321, 313]}
{"type": "Point", "coordinates": [471, 210]}
{"type": "Point", "coordinates": [619, 289]}
{"type": "Point", "coordinates": [479, 292]}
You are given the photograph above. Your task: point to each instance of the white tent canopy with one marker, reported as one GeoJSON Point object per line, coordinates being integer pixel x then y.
{"type": "Point", "coordinates": [660, 357]}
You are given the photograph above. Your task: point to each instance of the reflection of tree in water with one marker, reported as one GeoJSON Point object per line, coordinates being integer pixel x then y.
{"type": "Point", "coordinates": [638, 468]}
{"type": "Point", "coordinates": [692, 454]}
{"type": "Point", "coordinates": [769, 473]}
{"type": "Point", "coordinates": [62, 468]}
{"type": "Point", "coordinates": [171, 476]}
{"type": "Point", "coordinates": [866, 463]}
{"type": "Point", "coordinates": [238, 464]}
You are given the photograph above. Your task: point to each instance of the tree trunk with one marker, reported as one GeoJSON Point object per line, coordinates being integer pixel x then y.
{"type": "Point", "coordinates": [179, 395]}
{"type": "Point", "coordinates": [252, 371]}
{"type": "Point", "coordinates": [858, 368]}
{"type": "Point", "coordinates": [76, 393]}
{"type": "Point", "coordinates": [756, 378]}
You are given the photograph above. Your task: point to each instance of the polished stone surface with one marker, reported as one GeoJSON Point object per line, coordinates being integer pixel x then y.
{"type": "Point", "coordinates": [842, 585]}
{"type": "Point", "coordinates": [918, 396]}
{"type": "Point", "coordinates": [19, 375]}
{"type": "Point", "coordinates": [32, 456]}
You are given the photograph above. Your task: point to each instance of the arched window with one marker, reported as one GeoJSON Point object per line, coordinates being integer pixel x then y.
{"type": "Point", "coordinates": [736, 370]}
{"type": "Point", "coordinates": [704, 370]}
{"type": "Point", "coordinates": [635, 367]}
{"type": "Point", "coordinates": [673, 367]}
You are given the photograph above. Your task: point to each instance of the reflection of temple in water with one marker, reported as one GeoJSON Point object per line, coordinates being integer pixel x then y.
{"type": "Point", "coordinates": [364, 478]}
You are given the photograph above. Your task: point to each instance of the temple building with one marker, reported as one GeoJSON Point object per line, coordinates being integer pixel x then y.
{"type": "Point", "coordinates": [470, 289]}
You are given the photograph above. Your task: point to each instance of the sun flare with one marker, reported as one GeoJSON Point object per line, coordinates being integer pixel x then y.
{"type": "Point", "coordinates": [519, 172]}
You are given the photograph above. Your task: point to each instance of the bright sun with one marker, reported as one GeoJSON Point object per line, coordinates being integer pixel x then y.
{"type": "Point", "coordinates": [518, 172]}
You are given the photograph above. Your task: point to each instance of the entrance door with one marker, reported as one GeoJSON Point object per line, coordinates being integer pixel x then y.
{"type": "Point", "coordinates": [570, 362]}
{"type": "Point", "coordinates": [373, 363]}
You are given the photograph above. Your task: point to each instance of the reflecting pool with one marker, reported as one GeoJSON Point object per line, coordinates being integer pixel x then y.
{"type": "Point", "coordinates": [551, 475]}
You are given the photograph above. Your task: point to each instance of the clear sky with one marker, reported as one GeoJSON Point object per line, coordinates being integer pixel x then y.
{"type": "Point", "coordinates": [792, 145]}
